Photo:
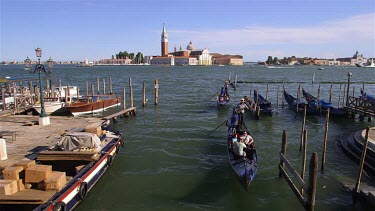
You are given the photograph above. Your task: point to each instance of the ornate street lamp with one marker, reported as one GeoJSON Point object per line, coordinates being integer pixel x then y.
{"type": "Point", "coordinates": [347, 91]}
{"type": "Point", "coordinates": [43, 117]}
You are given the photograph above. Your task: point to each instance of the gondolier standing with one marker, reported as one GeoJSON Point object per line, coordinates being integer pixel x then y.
{"type": "Point", "coordinates": [241, 110]}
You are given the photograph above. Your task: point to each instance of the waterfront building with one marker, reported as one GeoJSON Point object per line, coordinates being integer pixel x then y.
{"type": "Point", "coordinates": [162, 60]}
{"type": "Point", "coordinates": [321, 61]}
{"type": "Point", "coordinates": [218, 59]}
{"type": "Point", "coordinates": [333, 62]}
{"type": "Point", "coordinates": [185, 61]}
{"type": "Point", "coordinates": [125, 61]}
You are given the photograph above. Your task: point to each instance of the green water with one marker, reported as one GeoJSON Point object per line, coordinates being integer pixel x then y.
{"type": "Point", "coordinates": [171, 163]}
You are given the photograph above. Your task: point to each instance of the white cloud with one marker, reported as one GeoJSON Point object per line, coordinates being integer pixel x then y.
{"type": "Point", "coordinates": [359, 30]}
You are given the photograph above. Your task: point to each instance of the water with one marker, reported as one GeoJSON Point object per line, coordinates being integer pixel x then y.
{"type": "Point", "coordinates": [171, 163]}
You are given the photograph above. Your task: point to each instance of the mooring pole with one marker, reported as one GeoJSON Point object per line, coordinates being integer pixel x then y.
{"type": "Point", "coordinates": [347, 91]}
{"type": "Point", "coordinates": [124, 99]}
{"type": "Point", "coordinates": [110, 86]}
{"type": "Point", "coordinates": [143, 95]}
{"type": "Point", "coordinates": [304, 157]}
{"type": "Point", "coordinates": [131, 92]}
{"type": "Point", "coordinates": [325, 140]}
{"type": "Point", "coordinates": [156, 91]}
{"type": "Point", "coordinates": [87, 88]}
{"type": "Point", "coordinates": [277, 99]}
{"type": "Point", "coordinates": [103, 86]}
{"type": "Point", "coordinates": [98, 85]}
{"type": "Point", "coordinates": [313, 177]}
{"type": "Point", "coordinates": [298, 92]}
{"type": "Point", "coordinates": [338, 103]}
{"type": "Point", "coordinates": [267, 92]}
{"type": "Point", "coordinates": [363, 156]}
{"type": "Point", "coordinates": [303, 128]}
{"type": "Point", "coordinates": [282, 99]}
{"type": "Point", "coordinates": [330, 94]}
{"type": "Point", "coordinates": [283, 151]}
{"type": "Point", "coordinates": [319, 97]}
{"type": "Point", "coordinates": [92, 90]}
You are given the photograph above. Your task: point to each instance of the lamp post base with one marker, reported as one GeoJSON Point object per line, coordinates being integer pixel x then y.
{"type": "Point", "coordinates": [44, 121]}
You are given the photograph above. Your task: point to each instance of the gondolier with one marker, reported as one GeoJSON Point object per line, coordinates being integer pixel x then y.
{"type": "Point", "coordinates": [240, 109]}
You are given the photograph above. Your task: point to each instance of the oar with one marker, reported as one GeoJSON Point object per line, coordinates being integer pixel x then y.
{"type": "Point", "coordinates": [214, 95]}
{"type": "Point", "coordinates": [218, 127]}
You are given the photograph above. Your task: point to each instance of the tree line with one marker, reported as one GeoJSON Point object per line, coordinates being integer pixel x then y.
{"type": "Point", "coordinates": [285, 60]}
{"type": "Point", "coordinates": [123, 55]}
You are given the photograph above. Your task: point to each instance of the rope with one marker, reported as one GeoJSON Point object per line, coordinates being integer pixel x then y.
{"type": "Point", "coordinates": [315, 123]}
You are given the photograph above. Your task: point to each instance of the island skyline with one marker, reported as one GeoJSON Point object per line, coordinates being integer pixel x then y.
{"type": "Point", "coordinates": [72, 31]}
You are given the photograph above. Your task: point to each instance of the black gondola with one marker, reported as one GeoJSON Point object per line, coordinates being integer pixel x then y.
{"type": "Point", "coordinates": [323, 105]}
{"type": "Point", "coordinates": [264, 104]}
{"type": "Point", "coordinates": [292, 102]}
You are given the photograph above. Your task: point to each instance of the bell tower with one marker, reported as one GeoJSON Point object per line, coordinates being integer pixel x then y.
{"type": "Point", "coordinates": [164, 42]}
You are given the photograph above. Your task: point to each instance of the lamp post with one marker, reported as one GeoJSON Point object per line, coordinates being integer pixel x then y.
{"type": "Point", "coordinates": [43, 117]}
{"type": "Point", "coordinates": [347, 91]}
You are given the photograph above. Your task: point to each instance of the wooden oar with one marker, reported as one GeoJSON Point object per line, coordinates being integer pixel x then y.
{"type": "Point", "coordinates": [218, 127]}
{"type": "Point", "coordinates": [214, 95]}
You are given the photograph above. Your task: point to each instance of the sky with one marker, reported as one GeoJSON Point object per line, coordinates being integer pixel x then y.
{"type": "Point", "coordinates": [71, 30]}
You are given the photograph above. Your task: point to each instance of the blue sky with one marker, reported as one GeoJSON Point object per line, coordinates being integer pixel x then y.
{"type": "Point", "coordinates": [74, 29]}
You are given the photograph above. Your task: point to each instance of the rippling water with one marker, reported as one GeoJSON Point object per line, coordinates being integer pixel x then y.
{"type": "Point", "coordinates": [171, 162]}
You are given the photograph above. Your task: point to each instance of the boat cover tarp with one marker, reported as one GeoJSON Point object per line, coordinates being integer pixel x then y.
{"type": "Point", "coordinates": [76, 140]}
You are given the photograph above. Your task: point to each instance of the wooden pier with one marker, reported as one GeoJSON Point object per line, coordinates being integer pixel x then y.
{"type": "Point", "coordinates": [362, 106]}
{"type": "Point", "coordinates": [131, 110]}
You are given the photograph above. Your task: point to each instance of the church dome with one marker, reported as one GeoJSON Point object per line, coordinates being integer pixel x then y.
{"type": "Point", "coordinates": [190, 47]}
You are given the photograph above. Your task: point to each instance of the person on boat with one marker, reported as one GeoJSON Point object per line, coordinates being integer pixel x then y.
{"type": "Point", "coordinates": [238, 148]}
{"type": "Point", "coordinates": [233, 124]}
{"type": "Point", "coordinates": [248, 139]}
{"type": "Point", "coordinates": [240, 108]}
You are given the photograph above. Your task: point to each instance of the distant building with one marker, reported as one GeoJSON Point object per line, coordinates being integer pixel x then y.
{"type": "Point", "coordinates": [125, 61]}
{"type": "Point", "coordinates": [333, 62]}
{"type": "Point", "coordinates": [162, 60]}
{"type": "Point", "coordinates": [321, 61]}
{"type": "Point", "coordinates": [185, 61]}
{"type": "Point", "coordinates": [218, 59]}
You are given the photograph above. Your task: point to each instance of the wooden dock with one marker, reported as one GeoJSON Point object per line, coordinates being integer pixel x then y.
{"type": "Point", "coordinates": [131, 110]}
{"type": "Point", "coordinates": [362, 106]}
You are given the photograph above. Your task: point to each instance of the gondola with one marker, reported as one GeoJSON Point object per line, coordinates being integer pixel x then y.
{"type": "Point", "coordinates": [313, 103]}
{"type": "Point", "coordinates": [223, 98]}
{"type": "Point", "coordinates": [292, 102]}
{"type": "Point", "coordinates": [245, 168]}
{"type": "Point", "coordinates": [264, 104]}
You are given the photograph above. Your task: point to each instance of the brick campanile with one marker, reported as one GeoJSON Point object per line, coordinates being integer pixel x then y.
{"type": "Point", "coordinates": [164, 42]}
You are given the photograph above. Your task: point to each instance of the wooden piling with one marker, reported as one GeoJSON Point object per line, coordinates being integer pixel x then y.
{"type": "Point", "coordinates": [319, 97]}
{"type": "Point", "coordinates": [59, 82]}
{"type": "Point", "coordinates": [353, 91]}
{"type": "Point", "coordinates": [104, 91]}
{"type": "Point", "coordinates": [313, 176]}
{"type": "Point", "coordinates": [257, 99]}
{"type": "Point", "coordinates": [77, 92]}
{"type": "Point", "coordinates": [235, 83]}
{"type": "Point", "coordinates": [3, 98]}
{"type": "Point", "coordinates": [298, 93]}
{"type": "Point", "coordinates": [131, 92]}
{"type": "Point", "coordinates": [363, 156]}
{"type": "Point", "coordinates": [143, 95]}
{"type": "Point", "coordinates": [87, 88]}
{"type": "Point", "coordinates": [363, 86]}
{"type": "Point", "coordinates": [330, 94]}
{"type": "Point", "coordinates": [251, 89]}
{"type": "Point", "coordinates": [303, 128]}
{"type": "Point", "coordinates": [156, 91]}
{"type": "Point", "coordinates": [97, 80]}
{"type": "Point", "coordinates": [110, 86]}
{"type": "Point", "coordinates": [304, 157]}
{"type": "Point", "coordinates": [338, 103]}
{"type": "Point", "coordinates": [325, 140]}
{"type": "Point", "coordinates": [283, 151]}
{"type": "Point", "coordinates": [124, 99]}
{"type": "Point", "coordinates": [282, 99]}
{"type": "Point", "coordinates": [344, 96]}
{"type": "Point", "coordinates": [92, 89]}
{"type": "Point", "coordinates": [267, 92]}
{"type": "Point", "coordinates": [277, 99]}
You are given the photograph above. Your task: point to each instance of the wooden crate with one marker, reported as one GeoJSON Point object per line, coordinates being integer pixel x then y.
{"type": "Point", "coordinates": [8, 187]}
{"type": "Point", "coordinates": [37, 173]}
{"type": "Point", "coordinates": [55, 181]}
{"type": "Point", "coordinates": [13, 173]}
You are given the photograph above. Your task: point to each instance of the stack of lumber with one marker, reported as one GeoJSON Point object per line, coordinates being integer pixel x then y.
{"type": "Point", "coordinates": [68, 155]}
{"type": "Point", "coordinates": [23, 180]}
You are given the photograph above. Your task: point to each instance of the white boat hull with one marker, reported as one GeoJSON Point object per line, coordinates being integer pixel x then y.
{"type": "Point", "coordinates": [49, 107]}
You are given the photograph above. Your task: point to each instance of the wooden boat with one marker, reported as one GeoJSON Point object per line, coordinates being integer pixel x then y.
{"type": "Point", "coordinates": [92, 104]}
{"type": "Point", "coordinates": [313, 103]}
{"type": "Point", "coordinates": [292, 102]}
{"type": "Point", "coordinates": [253, 111]}
{"type": "Point", "coordinates": [245, 168]}
{"type": "Point", "coordinates": [223, 98]}
{"type": "Point", "coordinates": [264, 104]}
{"type": "Point", "coordinates": [78, 171]}
{"type": "Point", "coordinates": [50, 107]}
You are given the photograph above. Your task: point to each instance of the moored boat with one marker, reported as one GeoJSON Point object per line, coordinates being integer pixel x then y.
{"type": "Point", "coordinates": [50, 107]}
{"type": "Point", "coordinates": [293, 104]}
{"type": "Point", "coordinates": [223, 98]}
{"type": "Point", "coordinates": [63, 174]}
{"type": "Point", "coordinates": [323, 105]}
{"type": "Point", "coordinates": [92, 104]}
{"type": "Point", "coordinates": [264, 104]}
